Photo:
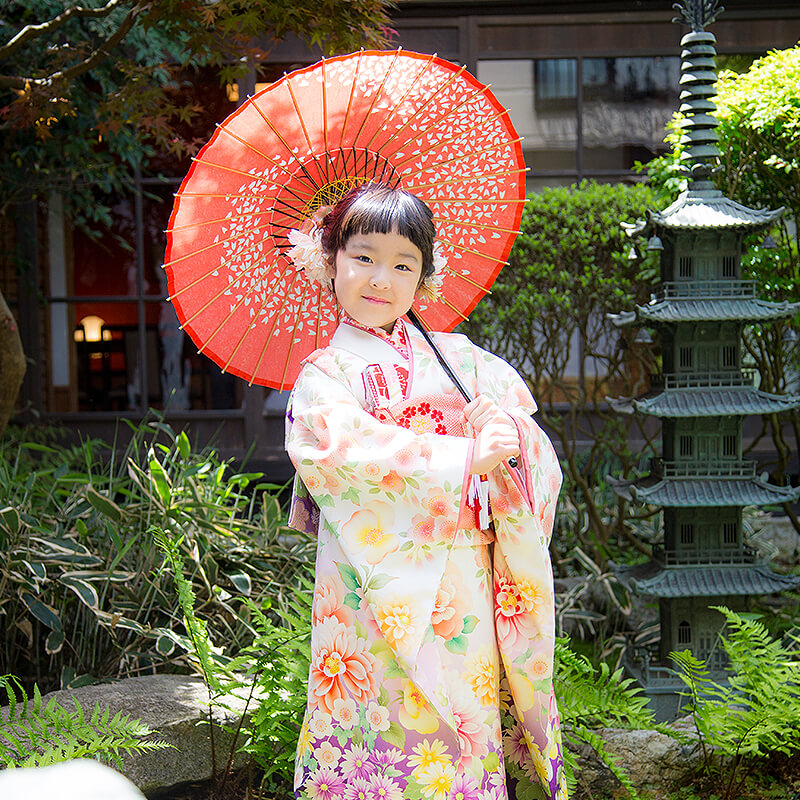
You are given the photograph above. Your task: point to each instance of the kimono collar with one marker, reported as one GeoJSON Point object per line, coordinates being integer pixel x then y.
{"type": "Point", "coordinates": [398, 338]}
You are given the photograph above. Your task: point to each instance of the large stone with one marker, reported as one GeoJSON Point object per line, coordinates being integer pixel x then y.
{"type": "Point", "coordinates": [654, 762]}
{"type": "Point", "coordinates": [71, 780]}
{"type": "Point", "coordinates": [176, 708]}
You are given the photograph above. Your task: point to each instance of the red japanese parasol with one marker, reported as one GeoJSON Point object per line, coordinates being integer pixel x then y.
{"type": "Point", "coordinates": [410, 120]}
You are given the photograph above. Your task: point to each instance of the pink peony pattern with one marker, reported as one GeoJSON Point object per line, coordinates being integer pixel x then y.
{"type": "Point", "coordinates": [341, 665]}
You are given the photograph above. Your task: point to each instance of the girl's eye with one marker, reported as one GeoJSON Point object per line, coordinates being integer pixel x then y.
{"type": "Point", "coordinates": [365, 259]}
{"type": "Point", "coordinates": [403, 267]}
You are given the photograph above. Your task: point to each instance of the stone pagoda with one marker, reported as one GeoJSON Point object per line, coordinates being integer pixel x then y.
{"type": "Point", "coordinates": [701, 397]}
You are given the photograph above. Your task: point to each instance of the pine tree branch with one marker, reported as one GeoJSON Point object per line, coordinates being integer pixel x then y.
{"type": "Point", "coordinates": [22, 83]}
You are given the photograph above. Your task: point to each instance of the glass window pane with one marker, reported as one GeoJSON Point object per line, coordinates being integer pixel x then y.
{"type": "Point", "coordinates": [156, 208]}
{"type": "Point", "coordinates": [105, 263]}
{"type": "Point", "coordinates": [186, 379]}
{"type": "Point", "coordinates": [116, 365]}
{"type": "Point", "coordinates": [105, 342]}
{"type": "Point", "coordinates": [627, 103]}
{"type": "Point", "coordinates": [541, 98]}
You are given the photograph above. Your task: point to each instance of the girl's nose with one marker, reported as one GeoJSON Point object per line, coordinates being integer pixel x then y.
{"type": "Point", "coordinates": [379, 278]}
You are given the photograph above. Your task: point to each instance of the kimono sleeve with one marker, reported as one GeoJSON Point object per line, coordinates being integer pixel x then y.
{"type": "Point", "coordinates": [538, 477]}
{"type": "Point", "coordinates": [523, 503]}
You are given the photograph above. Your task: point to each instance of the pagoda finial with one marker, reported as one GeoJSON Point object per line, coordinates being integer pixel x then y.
{"type": "Point", "coordinates": [697, 13]}
{"type": "Point", "coordinates": [698, 76]}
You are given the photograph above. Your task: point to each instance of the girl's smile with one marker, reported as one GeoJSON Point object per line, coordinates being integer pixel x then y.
{"type": "Point", "coordinates": [376, 277]}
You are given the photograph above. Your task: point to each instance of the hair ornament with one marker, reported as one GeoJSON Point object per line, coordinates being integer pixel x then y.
{"type": "Point", "coordinates": [307, 253]}
{"type": "Point", "coordinates": [431, 287]}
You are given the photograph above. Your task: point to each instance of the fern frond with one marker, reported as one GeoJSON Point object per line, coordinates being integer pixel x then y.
{"type": "Point", "coordinates": [597, 697]}
{"type": "Point", "coordinates": [210, 666]}
{"type": "Point", "coordinates": [583, 734]}
{"type": "Point", "coordinates": [41, 735]}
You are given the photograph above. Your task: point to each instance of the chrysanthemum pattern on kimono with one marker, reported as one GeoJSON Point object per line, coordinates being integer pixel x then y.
{"type": "Point", "coordinates": [432, 649]}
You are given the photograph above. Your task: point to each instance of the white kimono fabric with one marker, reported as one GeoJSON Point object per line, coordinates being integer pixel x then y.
{"type": "Point", "coordinates": [432, 641]}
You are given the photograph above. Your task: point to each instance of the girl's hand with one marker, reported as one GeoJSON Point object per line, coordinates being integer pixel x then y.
{"type": "Point", "coordinates": [482, 411]}
{"type": "Point", "coordinates": [496, 442]}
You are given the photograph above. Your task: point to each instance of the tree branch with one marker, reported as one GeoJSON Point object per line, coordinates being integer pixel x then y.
{"type": "Point", "coordinates": [101, 52]}
{"type": "Point", "coordinates": [45, 28]}
{"type": "Point", "coordinates": [20, 83]}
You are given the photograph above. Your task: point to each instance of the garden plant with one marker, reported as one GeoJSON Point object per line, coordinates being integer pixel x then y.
{"type": "Point", "coordinates": [184, 526]}
{"type": "Point", "coordinates": [571, 265]}
{"type": "Point", "coordinates": [81, 590]}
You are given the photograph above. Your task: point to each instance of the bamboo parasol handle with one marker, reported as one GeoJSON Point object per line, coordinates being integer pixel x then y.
{"type": "Point", "coordinates": [465, 393]}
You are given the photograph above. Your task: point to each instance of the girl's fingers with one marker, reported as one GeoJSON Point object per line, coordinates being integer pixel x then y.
{"type": "Point", "coordinates": [482, 411]}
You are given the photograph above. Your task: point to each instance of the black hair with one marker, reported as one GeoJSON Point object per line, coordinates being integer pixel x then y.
{"type": "Point", "coordinates": [380, 208]}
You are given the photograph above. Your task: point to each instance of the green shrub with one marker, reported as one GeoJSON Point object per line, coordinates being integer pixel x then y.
{"type": "Point", "coordinates": [568, 269]}
{"type": "Point", "coordinates": [755, 713]}
{"type": "Point", "coordinates": [82, 596]}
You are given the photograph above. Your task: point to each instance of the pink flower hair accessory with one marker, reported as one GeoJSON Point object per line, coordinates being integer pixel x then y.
{"type": "Point", "coordinates": [307, 252]}
{"type": "Point", "coordinates": [431, 288]}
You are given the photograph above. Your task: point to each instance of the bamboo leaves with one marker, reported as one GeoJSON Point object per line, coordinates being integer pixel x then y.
{"type": "Point", "coordinates": [76, 555]}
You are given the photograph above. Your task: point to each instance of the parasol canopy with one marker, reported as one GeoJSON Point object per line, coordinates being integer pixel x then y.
{"type": "Point", "coordinates": [410, 120]}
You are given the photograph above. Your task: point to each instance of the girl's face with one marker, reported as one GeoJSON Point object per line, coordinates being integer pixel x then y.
{"type": "Point", "coordinates": [376, 277]}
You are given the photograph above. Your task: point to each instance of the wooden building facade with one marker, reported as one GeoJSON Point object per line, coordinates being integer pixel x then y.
{"type": "Point", "coordinates": [590, 88]}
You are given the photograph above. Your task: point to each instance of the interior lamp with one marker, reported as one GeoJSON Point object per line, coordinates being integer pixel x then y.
{"type": "Point", "coordinates": [90, 329]}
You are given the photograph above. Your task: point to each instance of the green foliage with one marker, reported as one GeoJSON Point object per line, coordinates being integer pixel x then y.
{"type": "Point", "coordinates": [569, 268]}
{"type": "Point", "coordinates": [590, 698]}
{"type": "Point", "coordinates": [759, 115]}
{"type": "Point", "coordinates": [279, 665]}
{"type": "Point", "coordinates": [81, 593]}
{"type": "Point", "coordinates": [271, 670]}
{"type": "Point", "coordinates": [759, 124]}
{"type": "Point", "coordinates": [756, 712]}
{"type": "Point", "coordinates": [196, 628]}
{"type": "Point", "coordinates": [86, 96]}
{"type": "Point", "coordinates": [35, 734]}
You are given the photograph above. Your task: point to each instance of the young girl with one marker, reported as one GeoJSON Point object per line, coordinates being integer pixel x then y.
{"type": "Point", "coordinates": [430, 625]}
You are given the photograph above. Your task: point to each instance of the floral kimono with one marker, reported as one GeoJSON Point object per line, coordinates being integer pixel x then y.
{"type": "Point", "coordinates": [427, 631]}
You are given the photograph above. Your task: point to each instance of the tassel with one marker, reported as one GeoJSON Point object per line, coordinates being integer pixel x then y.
{"type": "Point", "coordinates": [478, 498]}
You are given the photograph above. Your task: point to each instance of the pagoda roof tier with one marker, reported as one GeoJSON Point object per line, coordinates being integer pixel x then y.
{"type": "Point", "coordinates": [703, 492]}
{"type": "Point", "coordinates": [696, 309]}
{"type": "Point", "coordinates": [706, 402]}
{"type": "Point", "coordinates": [705, 209]}
{"type": "Point", "coordinates": [705, 581]}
